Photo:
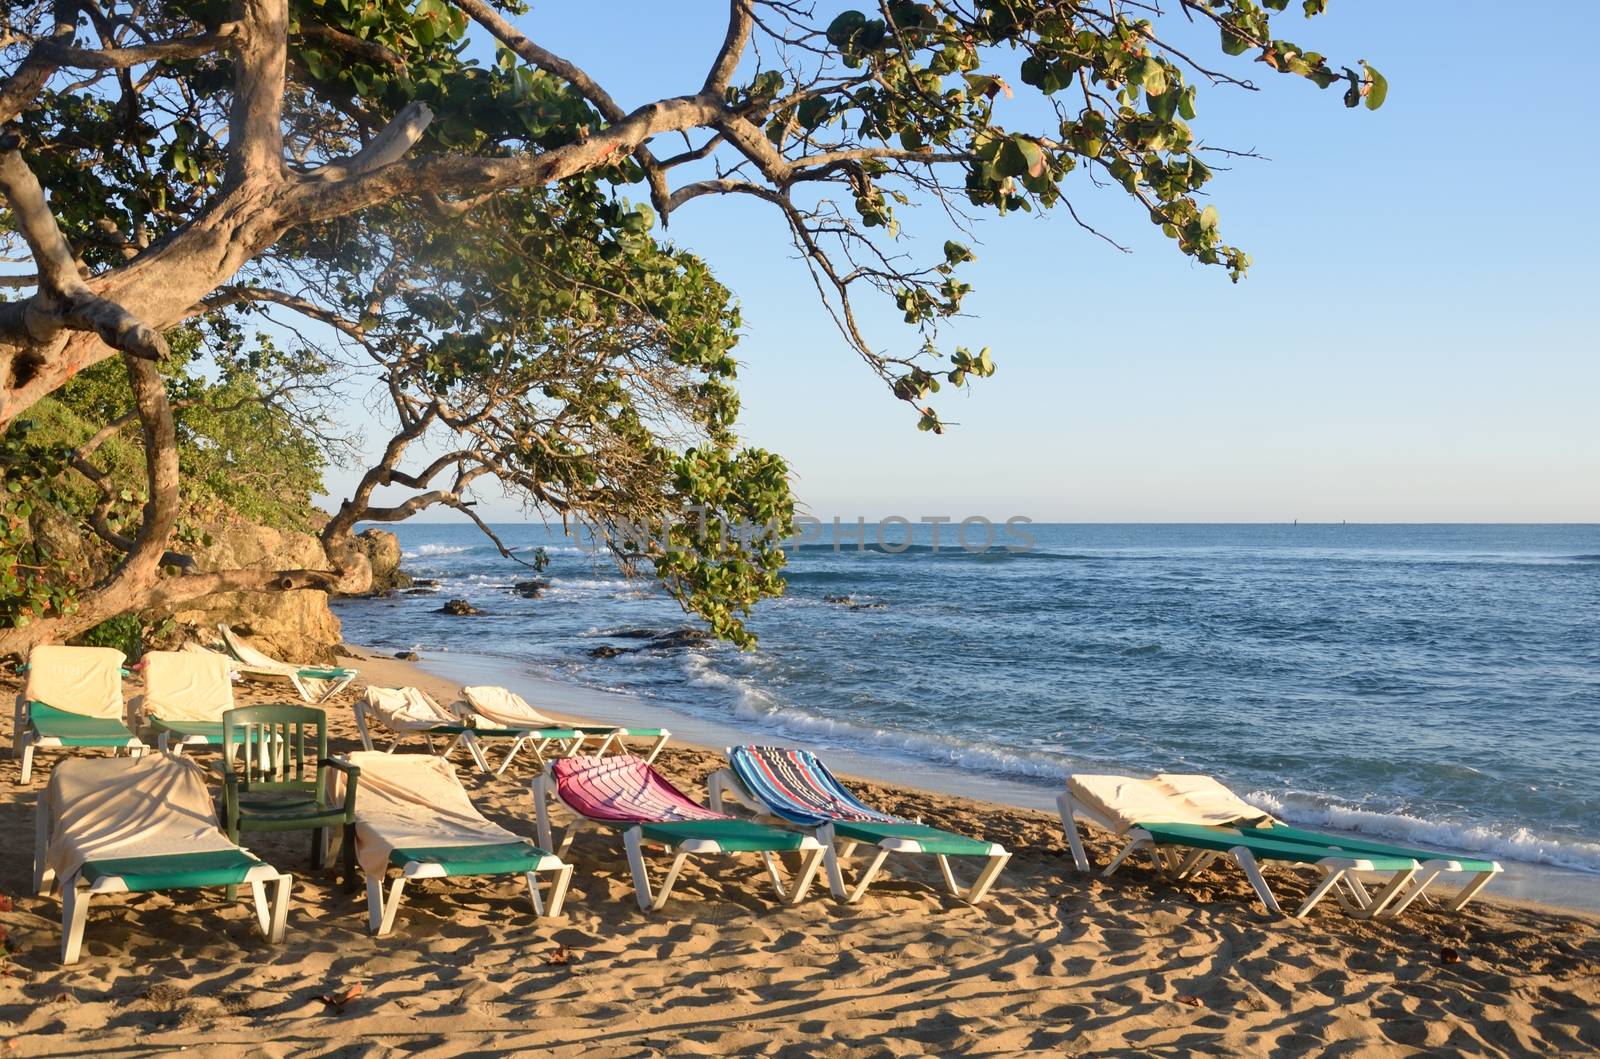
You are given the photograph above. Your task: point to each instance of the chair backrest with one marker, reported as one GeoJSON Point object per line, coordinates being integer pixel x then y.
{"type": "Point", "coordinates": [81, 680]}
{"type": "Point", "coordinates": [279, 747]}
{"type": "Point", "coordinates": [503, 706]}
{"type": "Point", "coordinates": [798, 787]}
{"type": "Point", "coordinates": [244, 652]}
{"type": "Point", "coordinates": [186, 686]}
{"type": "Point", "coordinates": [624, 789]}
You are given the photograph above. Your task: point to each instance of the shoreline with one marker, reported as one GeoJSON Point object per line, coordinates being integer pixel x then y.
{"type": "Point", "coordinates": [1536, 886]}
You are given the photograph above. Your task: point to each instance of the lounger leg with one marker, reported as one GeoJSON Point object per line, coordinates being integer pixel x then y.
{"type": "Point", "coordinates": [1394, 890]}
{"type": "Point", "coordinates": [541, 809]}
{"type": "Point", "coordinates": [986, 877]}
{"type": "Point", "coordinates": [668, 881]}
{"type": "Point", "coordinates": [280, 909]}
{"type": "Point", "coordinates": [1247, 862]}
{"type": "Point", "coordinates": [258, 891]}
{"type": "Point", "coordinates": [660, 742]}
{"type": "Point", "coordinates": [868, 875]}
{"type": "Point", "coordinates": [605, 744]}
{"type": "Point", "coordinates": [832, 858]}
{"type": "Point", "coordinates": [392, 905]}
{"type": "Point", "coordinates": [374, 903]}
{"type": "Point", "coordinates": [1470, 891]}
{"type": "Point", "coordinates": [810, 864]}
{"type": "Point", "coordinates": [475, 748]}
{"type": "Point", "coordinates": [319, 847]}
{"type": "Point", "coordinates": [1116, 862]}
{"type": "Point", "coordinates": [361, 727]}
{"type": "Point", "coordinates": [510, 755]}
{"type": "Point", "coordinates": [1069, 824]}
{"type": "Point", "coordinates": [949, 876]}
{"type": "Point", "coordinates": [558, 890]}
{"type": "Point", "coordinates": [1330, 879]}
{"type": "Point", "coordinates": [533, 892]}
{"type": "Point", "coordinates": [775, 874]}
{"type": "Point", "coordinates": [74, 915]}
{"type": "Point", "coordinates": [632, 842]}
{"type": "Point", "coordinates": [27, 760]}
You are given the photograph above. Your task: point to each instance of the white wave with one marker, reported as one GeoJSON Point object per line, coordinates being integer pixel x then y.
{"type": "Point", "coordinates": [1513, 843]}
{"type": "Point", "coordinates": [425, 550]}
{"type": "Point", "coordinates": [752, 704]}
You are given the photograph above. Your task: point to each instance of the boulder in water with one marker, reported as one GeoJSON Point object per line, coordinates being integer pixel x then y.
{"type": "Point", "coordinates": [606, 650]}
{"type": "Point", "coordinates": [530, 589]}
{"type": "Point", "coordinates": [408, 656]}
{"type": "Point", "coordinates": [458, 607]}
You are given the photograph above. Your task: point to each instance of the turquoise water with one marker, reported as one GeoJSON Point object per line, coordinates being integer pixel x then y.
{"type": "Point", "coordinates": [1436, 684]}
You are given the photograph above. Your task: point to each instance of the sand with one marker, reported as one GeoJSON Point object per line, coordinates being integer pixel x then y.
{"type": "Point", "coordinates": [1053, 963]}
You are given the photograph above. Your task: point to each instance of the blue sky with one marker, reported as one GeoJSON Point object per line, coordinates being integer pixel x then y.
{"type": "Point", "coordinates": [1416, 340]}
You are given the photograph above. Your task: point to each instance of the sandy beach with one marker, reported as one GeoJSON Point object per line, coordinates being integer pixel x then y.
{"type": "Point", "coordinates": [1053, 963]}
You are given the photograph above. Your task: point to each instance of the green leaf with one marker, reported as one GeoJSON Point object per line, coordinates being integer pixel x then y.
{"type": "Point", "coordinates": [1377, 90]}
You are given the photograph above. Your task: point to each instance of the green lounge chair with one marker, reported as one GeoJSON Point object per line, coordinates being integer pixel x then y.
{"type": "Point", "coordinates": [1181, 819]}
{"type": "Point", "coordinates": [404, 712]}
{"type": "Point", "coordinates": [795, 787]}
{"type": "Point", "coordinates": [623, 792]}
{"type": "Point", "coordinates": [72, 699]}
{"type": "Point", "coordinates": [185, 696]}
{"type": "Point", "coordinates": [314, 684]}
{"type": "Point", "coordinates": [413, 815]}
{"type": "Point", "coordinates": [491, 708]}
{"type": "Point", "coordinates": [118, 825]}
{"type": "Point", "coordinates": [1431, 865]}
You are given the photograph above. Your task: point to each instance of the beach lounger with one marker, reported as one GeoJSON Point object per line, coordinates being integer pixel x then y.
{"type": "Point", "coordinates": [625, 793]}
{"type": "Point", "coordinates": [413, 815]}
{"type": "Point", "coordinates": [72, 699]}
{"type": "Point", "coordinates": [136, 825]}
{"type": "Point", "coordinates": [185, 696]}
{"type": "Point", "coordinates": [315, 684]}
{"type": "Point", "coordinates": [1188, 821]}
{"type": "Point", "coordinates": [404, 712]}
{"type": "Point", "coordinates": [505, 709]}
{"type": "Point", "coordinates": [794, 786]}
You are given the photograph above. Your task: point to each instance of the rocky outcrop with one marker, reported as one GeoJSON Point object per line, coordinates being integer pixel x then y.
{"type": "Point", "coordinates": [382, 550]}
{"type": "Point", "coordinates": [294, 626]}
{"type": "Point", "coordinates": [458, 607]}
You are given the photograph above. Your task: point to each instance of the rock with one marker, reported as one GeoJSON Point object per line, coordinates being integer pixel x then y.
{"type": "Point", "coordinates": [530, 589]}
{"type": "Point", "coordinates": [678, 638]}
{"type": "Point", "coordinates": [382, 550]}
{"type": "Point", "coordinates": [346, 651]}
{"type": "Point", "coordinates": [869, 606]}
{"type": "Point", "coordinates": [606, 650]}
{"type": "Point", "coordinates": [836, 599]}
{"type": "Point", "coordinates": [418, 591]}
{"type": "Point", "coordinates": [459, 607]}
{"type": "Point", "coordinates": [408, 656]}
{"type": "Point", "coordinates": [635, 634]}
{"type": "Point", "coordinates": [425, 582]}
{"type": "Point", "coordinates": [293, 626]}
{"type": "Point", "coordinates": [849, 601]}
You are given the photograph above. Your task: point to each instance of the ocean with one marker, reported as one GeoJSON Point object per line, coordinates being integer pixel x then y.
{"type": "Point", "coordinates": [1435, 684]}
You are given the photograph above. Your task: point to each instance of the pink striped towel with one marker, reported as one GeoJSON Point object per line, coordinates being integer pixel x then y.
{"type": "Point", "coordinates": [624, 789]}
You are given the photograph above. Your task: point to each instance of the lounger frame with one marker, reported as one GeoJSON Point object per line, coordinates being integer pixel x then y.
{"type": "Point", "coordinates": [1397, 894]}
{"type": "Point", "coordinates": [650, 898]}
{"type": "Point", "coordinates": [27, 740]}
{"type": "Point", "coordinates": [271, 917]}
{"type": "Point", "coordinates": [568, 740]}
{"type": "Point", "coordinates": [381, 911]}
{"type": "Point", "coordinates": [725, 786]}
{"type": "Point", "coordinates": [463, 734]}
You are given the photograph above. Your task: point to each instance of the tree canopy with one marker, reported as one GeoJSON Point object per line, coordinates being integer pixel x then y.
{"type": "Point", "coordinates": [464, 209]}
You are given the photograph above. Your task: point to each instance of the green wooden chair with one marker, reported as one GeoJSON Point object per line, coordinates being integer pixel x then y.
{"type": "Point", "coordinates": [276, 785]}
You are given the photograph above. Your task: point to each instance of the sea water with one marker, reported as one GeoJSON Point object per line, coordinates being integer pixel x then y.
{"type": "Point", "coordinates": [1435, 684]}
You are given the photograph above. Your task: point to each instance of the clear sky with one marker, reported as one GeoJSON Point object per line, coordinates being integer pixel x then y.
{"type": "Point", "coordinates": [1417, 340]}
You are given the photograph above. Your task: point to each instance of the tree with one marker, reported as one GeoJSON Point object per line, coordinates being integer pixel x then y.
{"type": "Point", "coordinates": [197, 158]}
